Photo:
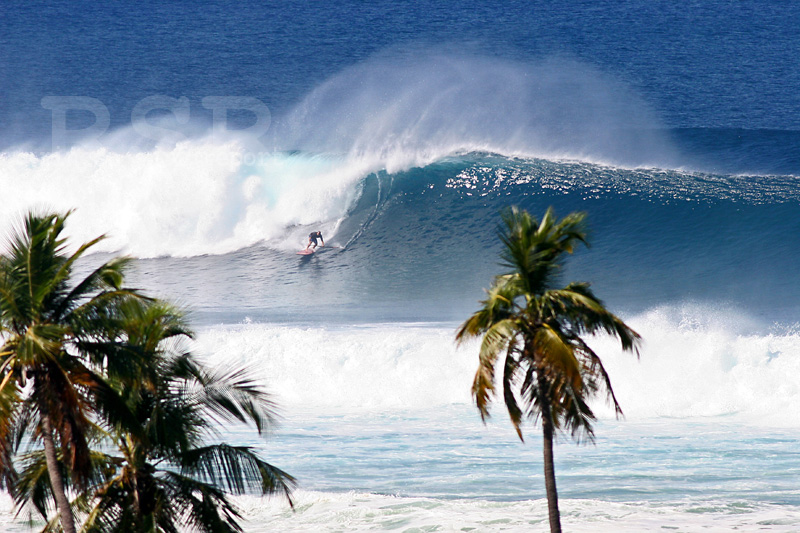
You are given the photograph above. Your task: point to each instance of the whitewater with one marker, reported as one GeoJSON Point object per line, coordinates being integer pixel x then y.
{"type": "Point", "coordinates": [403, 154]}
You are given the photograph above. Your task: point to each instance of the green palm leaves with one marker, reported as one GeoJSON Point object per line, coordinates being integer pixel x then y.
{"type": "Point", "coordinates": [533, 332]}
{"type": "Point", "coordinates": [91, 365]}
{"type": "Point", "coordinates": [538, 329]}
{"type": "Point", "coordinates": [48, 386]}
{"type": "Point", "coordinates": [168, 471]}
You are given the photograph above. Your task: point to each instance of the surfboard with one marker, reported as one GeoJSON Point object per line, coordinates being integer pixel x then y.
{"type": "Point", "coordinates": [319, 249]}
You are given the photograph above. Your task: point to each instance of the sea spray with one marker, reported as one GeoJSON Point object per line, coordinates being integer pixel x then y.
{"type": "Point", "coordinates": [709, 361]}
{"type": "Point", "coordinates": [407, 110]}
{"type": "Point", "coordinates": [198, 192]}
{"type": "Point", "coordinates": [373, 367]}
{"type": "Point", "coordinates": [201, 192]}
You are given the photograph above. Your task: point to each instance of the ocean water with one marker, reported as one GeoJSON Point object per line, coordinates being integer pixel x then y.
{"type": "Point", "coordinates": [401, 130]}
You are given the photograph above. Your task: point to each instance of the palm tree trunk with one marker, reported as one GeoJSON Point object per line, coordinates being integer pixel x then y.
{"type": "Point", "coordinates": [56, 481]}
{"type": "Point", "coordinates": [549, 466]}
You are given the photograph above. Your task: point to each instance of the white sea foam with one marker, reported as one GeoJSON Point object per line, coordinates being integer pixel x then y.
{"type": "Point", "coordinates": [702, 361]}
{"type": "Point", "coordinates": [365, 367]}
{"type": "Point", "coordinates": [190, 198]}
{"type": "Point", "coordinates": [353, 511]}
{"type": "Point", "coordinates": [695, 362]}
{"type": "Point", "coordinates": [369, 433]}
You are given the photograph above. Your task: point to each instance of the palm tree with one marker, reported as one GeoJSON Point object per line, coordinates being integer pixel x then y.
{"type": "Point", "coordinates": [165, 472]}
{"type": "Point", "coordinates": [92, 365]}
{"type": "Point", "coordinates": [548, 370]}
{"type": "Point", "coordinates": [47, 385]}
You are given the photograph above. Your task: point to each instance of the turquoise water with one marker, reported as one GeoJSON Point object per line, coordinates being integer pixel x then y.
{"type": "Point", "coordinates": [448, 454]}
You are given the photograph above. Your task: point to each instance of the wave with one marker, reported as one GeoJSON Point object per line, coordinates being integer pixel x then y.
{"type": "Point", "coordinates": [191, 193]}
{"type": "Point", "coordinates": [709, 361]}
{"type": "Point", "coordinates": [475, 124]}
{"type": "Point", "coordinates": [697, 361]}
{"type": "Point", "coordinates": [410, 238]}
{"type": "Point", "coordinates": [211, 197]}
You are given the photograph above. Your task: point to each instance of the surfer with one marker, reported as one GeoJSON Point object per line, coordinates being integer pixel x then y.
{"type": "Point", "coordinates": [312, 239]}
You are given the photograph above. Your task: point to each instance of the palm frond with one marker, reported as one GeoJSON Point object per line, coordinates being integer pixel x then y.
{"type": "Point", "coordinates": [9, 439]}
{"type": "Point", "coordinates": [587, 313]}
{"type": "Point", "coordinates": [500, 337]}
{"type": "Point", "coordinates": [203, 507]}
{"type": "Point", "coordinates": [237, 396]}
{"type": "Point", "coordinates": [236, 469]}
{"type": "Point", "coordinates": [596, 370]}
{"type": "Point", "coordinates": [33, 486]}
{"type": "Point", "coordinates": [555, 355]}
{"type": "Point", "coordinates": [510, 369]}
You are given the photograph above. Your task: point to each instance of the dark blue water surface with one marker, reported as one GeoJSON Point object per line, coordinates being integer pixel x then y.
{"type": "Point", "coordinates": [700, 64]}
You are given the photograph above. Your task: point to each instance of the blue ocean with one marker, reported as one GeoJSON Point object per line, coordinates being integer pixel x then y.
{"type": "Point", "coordinates": [209, 139]}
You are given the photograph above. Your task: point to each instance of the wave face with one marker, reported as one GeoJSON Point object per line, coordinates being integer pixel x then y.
{"type": "Point", "coordinates": [184, 193]}
{"type": "Point", "coordinates": [421, 244]}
